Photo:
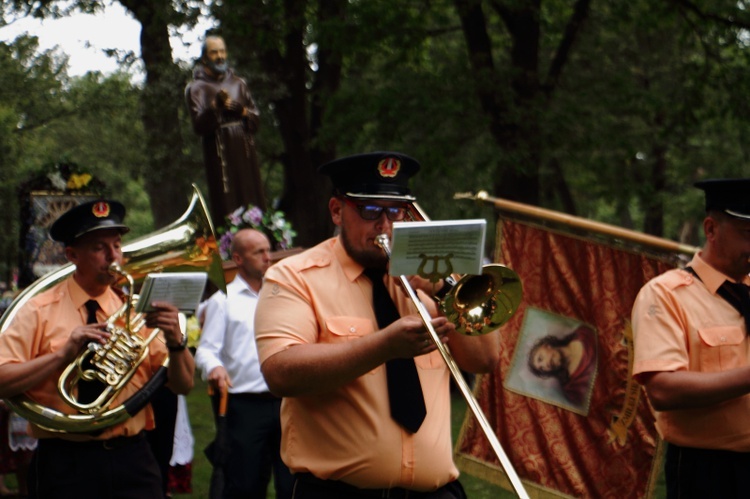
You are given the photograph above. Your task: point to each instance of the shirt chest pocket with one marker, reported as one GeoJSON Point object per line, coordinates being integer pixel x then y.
{"type": "Point", "coordinates": [343, 328]}
{"type": "Point", "coordinates": [722, 348]}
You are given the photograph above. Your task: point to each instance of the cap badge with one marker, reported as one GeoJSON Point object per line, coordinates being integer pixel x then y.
{"type": "Point", "coordinates": [389, 167]}
{"type": "Point", "coordinates": [100, 209]}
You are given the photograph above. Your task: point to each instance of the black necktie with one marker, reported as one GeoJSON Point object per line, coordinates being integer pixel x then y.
{"type": "Point", "coordinates": [89, 390]}
{"type": "Point", "coordinates": [92, 306]}
{"type": "Point", "coordinates": [404, 390]}
{"type": "Point", "coordinates": [738, 295]}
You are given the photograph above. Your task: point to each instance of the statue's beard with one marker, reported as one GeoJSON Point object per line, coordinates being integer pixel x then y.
{"type": "Point", "coordinates": [219, 68]}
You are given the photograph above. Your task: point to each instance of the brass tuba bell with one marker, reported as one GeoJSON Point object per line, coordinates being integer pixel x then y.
{"type": "Point", "coordinates": [186, 245]}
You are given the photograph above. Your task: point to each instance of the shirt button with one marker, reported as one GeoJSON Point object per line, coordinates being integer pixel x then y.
{"type": "Point", "coordinates": [352, 329]}
{"type": "Point", "coordinates": [723, 339]}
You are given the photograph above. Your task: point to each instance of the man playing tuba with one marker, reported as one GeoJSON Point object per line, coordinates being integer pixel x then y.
{"type": "Point", "coordinates": [50, 331]}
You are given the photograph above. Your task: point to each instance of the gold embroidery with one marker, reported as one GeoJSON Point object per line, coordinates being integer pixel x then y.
{"type": "Point", "coordinates": [618, 430]}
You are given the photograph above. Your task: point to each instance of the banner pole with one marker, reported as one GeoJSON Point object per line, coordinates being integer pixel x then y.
{"type": "Point", "coordinates": [580, 223]}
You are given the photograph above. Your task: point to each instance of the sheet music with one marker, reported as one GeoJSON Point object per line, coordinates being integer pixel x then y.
{"type": "Point", "coordinates": [437, 249]}
{"type": "Point", "coordinates": [182, 289]}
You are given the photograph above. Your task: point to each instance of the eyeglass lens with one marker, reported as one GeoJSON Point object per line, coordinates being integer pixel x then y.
{"type": "Point", "coordinates": [372, 212]}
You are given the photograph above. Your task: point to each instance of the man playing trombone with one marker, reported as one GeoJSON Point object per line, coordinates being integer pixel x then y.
{"type": "Point", "coordinates": [366, 409]}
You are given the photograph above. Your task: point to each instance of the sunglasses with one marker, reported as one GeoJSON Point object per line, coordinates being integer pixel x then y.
{"type": "Point", "coordinates": [373, 212]}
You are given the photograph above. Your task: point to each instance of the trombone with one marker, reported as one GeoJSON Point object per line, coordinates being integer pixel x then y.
{"type": "Point", "coordinates": [477, 305]}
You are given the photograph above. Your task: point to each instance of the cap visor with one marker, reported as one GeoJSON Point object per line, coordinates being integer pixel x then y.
{"type": "Point", "coordinates": [737, 214]}
{"type": "Point", "coordinates": [387, 197]}
{"type": "Point", "coordinates": [122, 228]}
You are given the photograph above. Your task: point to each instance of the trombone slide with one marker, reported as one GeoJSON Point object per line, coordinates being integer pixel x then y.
{"type": "Point", "coordinates": [455, 371]}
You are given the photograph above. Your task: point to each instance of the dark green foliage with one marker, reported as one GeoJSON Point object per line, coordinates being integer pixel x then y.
{"type": "Point", "coordinates": [48, 119]}
{"type": "Point", "coordinates": [604, 110]}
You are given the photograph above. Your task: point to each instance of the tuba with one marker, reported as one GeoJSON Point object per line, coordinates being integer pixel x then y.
{"type": "Point", "coordinates": [186, 245]}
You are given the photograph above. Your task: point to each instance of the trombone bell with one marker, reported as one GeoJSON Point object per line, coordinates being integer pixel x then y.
{"type": "Point", "coordinates": [479, 304]}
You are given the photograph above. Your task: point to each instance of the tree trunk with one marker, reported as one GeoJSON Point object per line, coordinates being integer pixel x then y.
{"type": "Point", "coordinates": [298, 101]}
{"type": "Point", "coordinates": [167, 181]}
{"type": "Point", "coordinates": [517, 172]}
{"type": "Point", "coordinates": [653, 222]}
{"type": "Point", "coordinates": [515, 121]}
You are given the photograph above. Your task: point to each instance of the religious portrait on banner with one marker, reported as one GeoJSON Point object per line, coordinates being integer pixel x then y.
{"type": "Point", "coordinates": [555, 361]}
{"type": "Point", "coordinates": [586, 431]}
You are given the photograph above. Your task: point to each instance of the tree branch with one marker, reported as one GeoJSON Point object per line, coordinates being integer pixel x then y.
{"type": "Point", "coordinates": [737, 20]}
{"type": "Point", "coordinates": [575, 23]}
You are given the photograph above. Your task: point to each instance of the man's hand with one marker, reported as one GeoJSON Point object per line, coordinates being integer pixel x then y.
{"type": "Point", "coordinates": [420, 283]}
{"type": "Point", "coordinates": [81, 337]}
{"type": "Point", "coordinates": [165, 317]}
{"type": "Point", "coordinates": [218, 378]}
{"type": "Point", "coordinates": [410, 338]}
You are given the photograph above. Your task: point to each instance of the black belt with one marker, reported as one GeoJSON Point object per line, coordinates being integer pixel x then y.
{"type": "Point", "coordinates": [340, 489]}
{"type": "Point", "coordinates": [255, 396]}
{"type": "Point", "coordinates": [109, 444]}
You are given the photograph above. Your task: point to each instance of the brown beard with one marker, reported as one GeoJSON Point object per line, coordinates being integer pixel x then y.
{"type": "Point", "coordinates": [369, 259]}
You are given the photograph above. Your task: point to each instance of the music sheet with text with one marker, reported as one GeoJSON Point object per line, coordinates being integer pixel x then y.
{"type": "Point", "coordinates": [436, 249]}
{"type": "Point", "coordinates": [182, 289]}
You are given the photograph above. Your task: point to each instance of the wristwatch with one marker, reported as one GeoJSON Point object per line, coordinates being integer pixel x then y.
{"type": "Point", "coordinates": [448, 284]}
{"type": "Point", "coordinates": [181, 346]}
{"type": "Point", "coordinates": [183, 329]}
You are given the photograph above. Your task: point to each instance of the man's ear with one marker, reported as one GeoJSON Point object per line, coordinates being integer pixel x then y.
{"type": "Point", "coordinates": [71, 254]}
{"type": "Point", "coordinates": [336, 207]}
{"type": "Point", "coordinates": [710, 224]}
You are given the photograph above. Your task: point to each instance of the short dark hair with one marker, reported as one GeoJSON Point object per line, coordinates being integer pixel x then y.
{"type": "Point", "coordinates": [719, 215]}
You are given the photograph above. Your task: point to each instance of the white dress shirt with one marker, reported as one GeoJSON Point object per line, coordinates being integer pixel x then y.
{"type": "Point", "coordinates": [228, 338]}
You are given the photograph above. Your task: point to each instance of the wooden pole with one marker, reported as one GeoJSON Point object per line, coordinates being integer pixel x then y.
{"type": "Point", "coordinates": [580, 223]}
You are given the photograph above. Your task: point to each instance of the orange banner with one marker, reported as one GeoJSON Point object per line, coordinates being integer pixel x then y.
{"type": "Point", "coordinates": [584, 430]}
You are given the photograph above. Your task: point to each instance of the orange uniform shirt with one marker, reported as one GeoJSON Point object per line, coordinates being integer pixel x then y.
{"type": "Point", "coordinates": [44, 324]}
{"type": "Point", "coordinates": [321, 296]}
{"type": "Point", "coordinates": [680, 323]}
